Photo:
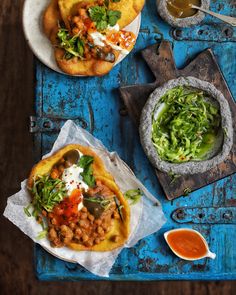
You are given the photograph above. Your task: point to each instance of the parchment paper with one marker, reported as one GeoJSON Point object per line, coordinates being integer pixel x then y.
{"type": "Point", "coordinates": [146, 216]}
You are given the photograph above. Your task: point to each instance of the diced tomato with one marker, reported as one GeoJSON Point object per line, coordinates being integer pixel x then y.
{"type": "Point", "coordinates": [67, 210]}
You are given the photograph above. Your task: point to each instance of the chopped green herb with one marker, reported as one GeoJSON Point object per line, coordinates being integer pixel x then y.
{"type": "Point", "coordinates": [85, 162]}
{"type": "Point", "coordinates": [26, 210]}
{"type": "Point", "coordinates": [104, 203]}
{"type": "Point", "coordinates": [225, 131]}
{"type": "Point", "coordinates": [173, 177]}
{"type": "Point", "coordinates": [103, 17]}
{"type": "Point", "coordinates": [134, 195]}
{"type": "Point", "coordinates": [184, 125]}
{"type": "Point", "coordinates": [187, 191]}
{"type": "Point", "coordinates": [113, 17]}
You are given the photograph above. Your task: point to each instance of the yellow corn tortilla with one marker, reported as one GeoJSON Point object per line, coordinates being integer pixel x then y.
{"type": "Point", "coordinates": [119, 227]}
{"type": "Point", "coordinates": [129, 9]}
{"type": "Point", "coordinates": [74, 66]}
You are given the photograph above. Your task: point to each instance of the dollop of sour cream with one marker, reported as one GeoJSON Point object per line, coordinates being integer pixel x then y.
{"type": "Point", "coordinates": [73, 180]}
{"type": "Point", "coordinates": [98, 39]}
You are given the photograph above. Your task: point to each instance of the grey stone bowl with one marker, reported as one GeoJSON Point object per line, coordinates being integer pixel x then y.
{"type": "Point", "coordinates": [181, 22]}
{"type": "Point", "coordinates": [225, 139]}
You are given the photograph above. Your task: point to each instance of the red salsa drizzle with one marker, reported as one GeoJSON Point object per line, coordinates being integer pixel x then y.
{"type": "Point", "coordinates": [67, 210]}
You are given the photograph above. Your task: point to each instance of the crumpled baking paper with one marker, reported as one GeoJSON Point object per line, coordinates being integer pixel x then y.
{"type": "Point", "coordinates": [146, 216]}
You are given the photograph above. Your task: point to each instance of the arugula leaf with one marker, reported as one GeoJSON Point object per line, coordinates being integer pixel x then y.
{"type": "Point", "coordinates": [73, 45]}
{"type": "Point", "coordinates": [85, 162]}
{"type": "Point", "coordinates": [103, 17]}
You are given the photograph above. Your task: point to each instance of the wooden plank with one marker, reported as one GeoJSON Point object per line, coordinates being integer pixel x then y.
{"type": "Point", "coordinates": [159, 58]}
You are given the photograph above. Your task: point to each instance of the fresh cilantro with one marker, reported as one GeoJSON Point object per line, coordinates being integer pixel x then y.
{"type": "Point", "coordinates": [113, 17]}
{"type": "Point", "coordinates": [85, 162]}
{"type": "Point", "coordinates": [103, 17]}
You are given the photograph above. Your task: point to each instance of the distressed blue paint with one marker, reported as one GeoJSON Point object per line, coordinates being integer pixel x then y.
{"type": "Point", "coordinates": [97, 101]}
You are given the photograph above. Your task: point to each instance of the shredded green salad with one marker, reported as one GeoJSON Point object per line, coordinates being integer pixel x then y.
{"type": "Point", "coordinates": [185, 125]}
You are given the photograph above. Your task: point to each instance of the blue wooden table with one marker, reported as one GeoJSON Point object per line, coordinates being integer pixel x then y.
{"type": "Point", "coordinates": [94, 104]}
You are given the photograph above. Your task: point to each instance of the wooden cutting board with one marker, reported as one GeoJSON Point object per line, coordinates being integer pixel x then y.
{"type": "Point", "coordinates": [159, 58]}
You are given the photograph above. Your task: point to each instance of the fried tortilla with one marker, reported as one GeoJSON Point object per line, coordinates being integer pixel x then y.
{"type": "Point", "coordinates": [89, 231]}
{"type": "Point", "coordinates": [73, 66]}
{"type": "Point", "coordinates": [87, 36]}
{"type": "Point", "coordinates": [129, 9]}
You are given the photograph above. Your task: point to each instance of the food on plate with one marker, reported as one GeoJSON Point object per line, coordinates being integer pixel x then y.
{"type": "Point", "coordinates": [88, 36]}
{"type": "Point", "coordinates": [129, 9]}
{"type": "Point", "coordinates": [185, 125]}
{"type": "Point", "coordinates": [78, 201]}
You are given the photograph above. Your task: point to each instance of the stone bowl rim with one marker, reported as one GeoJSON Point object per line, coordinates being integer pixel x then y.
{"type": "Point", "coordinates": [181, 22]}
{"type": "Point", "coordinates": [191, 167]}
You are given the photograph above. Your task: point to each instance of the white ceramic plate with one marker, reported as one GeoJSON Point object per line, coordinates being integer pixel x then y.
{"type": "Point", "coordinates": [40, 44]}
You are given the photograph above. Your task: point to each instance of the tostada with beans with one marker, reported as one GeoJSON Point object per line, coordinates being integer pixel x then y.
{"type": "Point", "coordinates": [78, 202]}
{"type": "Point", "coordinates": [88, 36]}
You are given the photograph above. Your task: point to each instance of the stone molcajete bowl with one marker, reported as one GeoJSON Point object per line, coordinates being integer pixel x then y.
{"type": "Point", "coordinates": [224, 141]}
{"type": "Point", "coordinates": [181, 22]}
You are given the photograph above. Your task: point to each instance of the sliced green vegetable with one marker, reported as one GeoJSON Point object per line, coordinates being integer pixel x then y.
{"type": "Point", "coordinates": [104, 203]}
{"type": "Point", "coordinates": [184, 125]}
{"type": "Point", "coordinates": [42, 234]}
{"type": "Point", "coordinates": [47, 193]}
{"type": "Point", "coordinates": [187, 191]}
{"type": "Point", "coordinates": [26, 210]}
{"type": "Point", "coordinates": [134, 195]}
{"type": "Point", "coordinates": [119, 207]}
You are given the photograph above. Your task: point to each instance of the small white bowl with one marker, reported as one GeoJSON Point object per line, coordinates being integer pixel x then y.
{"type": "Point", "coordinates": [208, 252]}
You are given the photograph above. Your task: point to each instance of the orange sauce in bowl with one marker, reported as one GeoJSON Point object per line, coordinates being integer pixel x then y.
{"type": "Point", "coordinates": [187, 243]}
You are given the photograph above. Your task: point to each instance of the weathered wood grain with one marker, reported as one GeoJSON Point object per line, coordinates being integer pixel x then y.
{"type": "Point", "coordinates": [16, 158]}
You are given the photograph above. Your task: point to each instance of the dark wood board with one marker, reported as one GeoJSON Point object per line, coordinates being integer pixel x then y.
{"type": "Point", "coordinates": [160, 60]}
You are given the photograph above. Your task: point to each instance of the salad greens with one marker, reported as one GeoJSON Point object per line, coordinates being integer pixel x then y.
{"type": "Point", "coordinates": [73, 45]}
{"type": "Point", "coordinates": [47, 193]}
{"type": "Point", "coordinates": [184, 125]}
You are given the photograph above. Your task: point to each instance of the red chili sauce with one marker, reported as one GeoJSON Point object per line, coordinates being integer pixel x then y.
{"type": "Point", "coordinates": [187, 244]}
{"type": "Point", "coordinates": [67, 210]}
